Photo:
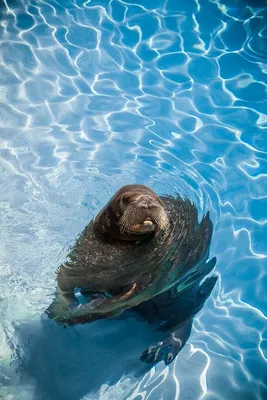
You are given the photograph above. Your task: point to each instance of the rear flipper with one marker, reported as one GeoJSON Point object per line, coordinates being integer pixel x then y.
{"type": "Point", "coordinates": [187, 306]}
{"type": "Point", "coordinates": [168, 349]}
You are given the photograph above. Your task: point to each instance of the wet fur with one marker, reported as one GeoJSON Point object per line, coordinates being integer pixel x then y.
{"type": "Point", "coordinates": [106, 264]}
{"type": "Point", "coordinates": [112, 264]}
{"type": "Point", "coordinates": [125, 209]}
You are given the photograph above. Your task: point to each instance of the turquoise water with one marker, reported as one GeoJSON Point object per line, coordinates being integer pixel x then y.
{"type": "Point", "coordinates": [98, 94]}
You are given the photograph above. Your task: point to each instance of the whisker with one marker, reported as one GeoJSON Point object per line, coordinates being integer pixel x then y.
{"type": "Point", "coordinates": [134, 215]}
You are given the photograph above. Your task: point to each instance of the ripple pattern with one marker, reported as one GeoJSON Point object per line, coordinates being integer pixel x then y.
{"type": "Point", "coordinates": [96, 94]}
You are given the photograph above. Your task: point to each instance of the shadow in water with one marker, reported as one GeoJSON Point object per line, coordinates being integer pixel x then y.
{"type": "Point", "coordinates": [68, 363]}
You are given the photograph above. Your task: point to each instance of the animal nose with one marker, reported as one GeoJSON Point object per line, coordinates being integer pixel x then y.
{"type": "Point", "coordinates": [145, 201]}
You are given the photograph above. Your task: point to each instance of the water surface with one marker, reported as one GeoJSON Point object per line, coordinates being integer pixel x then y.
{"type": "Point", "coordinates": [98, 94]}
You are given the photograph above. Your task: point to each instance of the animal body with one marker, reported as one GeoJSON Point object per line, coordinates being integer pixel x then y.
{"type": "Point", "coordinates": [145, 253]}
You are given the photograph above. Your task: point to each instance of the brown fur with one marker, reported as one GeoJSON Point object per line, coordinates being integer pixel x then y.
{"type": "Point", "coordinates": [130, 205]}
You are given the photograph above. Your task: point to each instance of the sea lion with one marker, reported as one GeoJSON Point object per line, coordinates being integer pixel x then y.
{"type": "Point", "coordinates": [139, 247]}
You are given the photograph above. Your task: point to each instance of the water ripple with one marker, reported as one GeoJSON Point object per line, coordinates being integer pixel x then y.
{"type": "Point", "coordinates": [96, 94]}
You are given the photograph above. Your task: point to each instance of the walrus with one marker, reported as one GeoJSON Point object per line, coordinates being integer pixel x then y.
{"type": "Point", "coordinates": [139, 248]}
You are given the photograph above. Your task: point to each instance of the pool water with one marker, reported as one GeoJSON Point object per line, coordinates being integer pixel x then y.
{"type": "Point", "coordinates": [98, 94]}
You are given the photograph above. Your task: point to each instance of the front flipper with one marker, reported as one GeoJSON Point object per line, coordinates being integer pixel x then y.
{"type": "Point", "coordinates": [168, 349]}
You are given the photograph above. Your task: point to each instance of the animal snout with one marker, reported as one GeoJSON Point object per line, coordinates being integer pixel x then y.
{"type": "Point", "coordinates": [145, 201]}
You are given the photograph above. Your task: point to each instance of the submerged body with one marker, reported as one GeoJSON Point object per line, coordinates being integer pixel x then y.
{"type": "Point", "coordinates": [173, 312]}
{"type": "Point", "coordinates": [137, 255]}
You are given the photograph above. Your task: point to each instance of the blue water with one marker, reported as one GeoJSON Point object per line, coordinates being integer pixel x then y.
{"type": "Point", "coordinates": [98, 94]}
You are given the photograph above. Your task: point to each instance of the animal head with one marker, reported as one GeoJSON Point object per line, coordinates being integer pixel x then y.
{"type": "Point", "coordinates": [133, 213]}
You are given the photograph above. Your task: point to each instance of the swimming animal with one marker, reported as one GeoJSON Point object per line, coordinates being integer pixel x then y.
{"type": "Point", "coordinates": [139, 249]}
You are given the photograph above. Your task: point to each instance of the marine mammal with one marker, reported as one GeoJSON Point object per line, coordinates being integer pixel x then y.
{"type": "Point", "coordinates": [138, 248]}
{"type": "Point", "coordinates": [105, 255]}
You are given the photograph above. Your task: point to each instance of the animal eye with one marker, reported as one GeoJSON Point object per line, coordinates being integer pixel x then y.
{"type": "Point", "coordinates": [125, 199]}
